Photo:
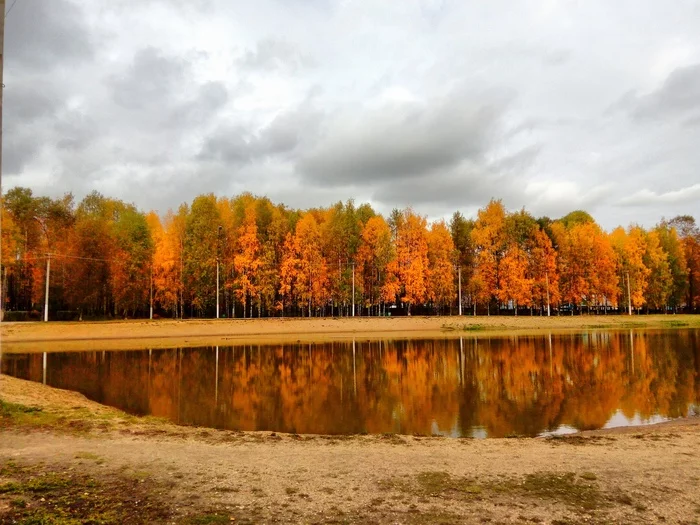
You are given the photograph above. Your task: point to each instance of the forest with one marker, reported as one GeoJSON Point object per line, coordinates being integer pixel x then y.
{"type": "Point", "coordinates": [107, 259]}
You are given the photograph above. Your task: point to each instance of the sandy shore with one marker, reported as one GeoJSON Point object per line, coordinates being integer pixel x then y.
{"type": "Point", "coordinates": [54, 336]}
{"type": "Point", "coordinates": [60, 453]}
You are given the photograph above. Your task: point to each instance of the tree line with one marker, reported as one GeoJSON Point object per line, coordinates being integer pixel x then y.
{"type": "Point", "coordinates": [109, 259]}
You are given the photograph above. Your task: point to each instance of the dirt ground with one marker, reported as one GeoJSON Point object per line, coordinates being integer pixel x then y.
{"type": "Point", "coordinates": [62, 336]}
{"type": "Point", "coordinates": [64, 459]}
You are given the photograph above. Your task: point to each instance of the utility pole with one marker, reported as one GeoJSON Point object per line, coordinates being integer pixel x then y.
{"type": "Point", "coordinates": [46, 296]}
{"type": "Point", "coordinates": [2, 88]}
{"type": "Point", "coordinates": [629, 294]}
{"type": "Point", "coordinates": [218, 244]}
{"type": "Point", "coordinates": [217, 287]}
{"type": "Point", "coordinates": [353, 288]}
{"type": "Point", "coordinates": [546, 277]}
{"type": "Point", "coordinates": [459, 274]}
{"type": "Point", "coordinates": [151, 294]}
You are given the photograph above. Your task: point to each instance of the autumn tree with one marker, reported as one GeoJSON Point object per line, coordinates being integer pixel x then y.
{"type": "Point", "coordinates": [633, 275]}
{"type": "Point", "coordinates": [374, 256]}
{"type": "Point", "coordinates": [441, 259]}
{"type": "Point", "coordinates": [247, 261]}
{"type": "Point", "coordinates": [304, 268]}
{"type": "Point", "coordinates": [514, 283]}
{"type": "Point", "coordinates": [543, 269]}
{"type": "Point", "coordinates": [412, 258]}
{"type": "Point", "coordinates": [491, 242]}
{"type": "Point", "coordinates": [91, 249]}
{"type": "Point", "coordinates": [690, 237]}
{"type": "Point", "coordinates": [130, 265]}
{"type": "Point", "coordinates": [166, 278]}
{"type": "Point", "coordinates": [673, 247]}
{"type": "Point", "coordinates": [200, 252]}
{"type": "Point", "coordinates": [460, 229]}
{"type": "Point", "coordinates": [660, 282]}
{"type": "Point", "coordinates": [586, 263]}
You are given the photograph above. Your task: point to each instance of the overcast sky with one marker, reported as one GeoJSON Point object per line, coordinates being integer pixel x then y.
{"type": "Point", "coordinates": [440, 105]}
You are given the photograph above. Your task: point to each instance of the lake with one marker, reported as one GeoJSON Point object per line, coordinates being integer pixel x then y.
{"type": "Point", "coordinates": [473, 386]}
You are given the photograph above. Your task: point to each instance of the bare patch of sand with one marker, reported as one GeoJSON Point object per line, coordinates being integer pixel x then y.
{"type": "Point", "coordinates": [113, 335]}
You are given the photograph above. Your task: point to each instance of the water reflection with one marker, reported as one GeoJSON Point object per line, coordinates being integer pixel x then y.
{"type": "Point", "coordinates": [473, 386]}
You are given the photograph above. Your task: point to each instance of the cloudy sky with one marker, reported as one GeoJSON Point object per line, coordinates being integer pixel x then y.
{"type": "Point", "coordinates": [437, 104]}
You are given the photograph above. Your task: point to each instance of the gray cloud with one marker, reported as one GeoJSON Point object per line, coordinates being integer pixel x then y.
{"type": "Point", "coordinates": [679, 94]}
{"type": "Point", "coordinates": [18, 150]}
{"type": "Point", "coordinates": [283, 135]}
{"type": "Point", "coordinates": [151, 78]}
{"type": "Point", "coordinates": [46, 34]}
{"type": "Point", "coordinates": [210, 98]}
{"type": "Point", "coordinates": [404, 140]}
{"type": "Point", "coordinates": [25, 102]}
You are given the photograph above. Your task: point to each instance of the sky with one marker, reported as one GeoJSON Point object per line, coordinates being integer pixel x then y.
{"type": "Point", "coordinates": [440, 105]}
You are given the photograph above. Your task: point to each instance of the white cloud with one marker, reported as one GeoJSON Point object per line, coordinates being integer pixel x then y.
{"type": "Point", "coordinates": [646, 197]}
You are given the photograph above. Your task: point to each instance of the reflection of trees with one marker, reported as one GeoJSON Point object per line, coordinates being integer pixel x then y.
{"type": "Point", "coordinates": [517, 384]}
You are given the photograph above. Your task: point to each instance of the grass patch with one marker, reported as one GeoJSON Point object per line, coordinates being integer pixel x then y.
{"type": "Point", "coordinates": [90, 456]}
{"type": "Point", "coordinates": [451, 327]}
{"type": "Point", "coordinates": [395, 484]}
{"type": "Point", "coordinates": [12, 414]}
{"type": "Point", "coordinates": [209, 519]}
{"type": "Point", "coordinates": [577, 440]}
{"type": "Point", "coordinates": [437, 483]}
{"type": "Point", "coordinates": [674, 324]}
{"type": "Point", "coordinates": [40, 496]}
{"type": "Point", "coordinates": [632, 324]}
{"type": "Point", "coordinates": [564, 488]}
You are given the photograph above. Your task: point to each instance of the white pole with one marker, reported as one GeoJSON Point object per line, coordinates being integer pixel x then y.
{"type": "Point", "coordinates": [353, 289]}
{"type": "Point", "coordinates": [43, 367]}
{"type": "Point", "coordinates": [46, 297]}
{"type": "Point", "coordinates": [459, 273]}
{"type": "Point", "coordinates": [546, 276]}
{"type": "Point", "coordinates": [150, 316]}
{"type": "Point", "coordinates": [629, 294]}
{"type": "Point", "coordinates": [217, 287]}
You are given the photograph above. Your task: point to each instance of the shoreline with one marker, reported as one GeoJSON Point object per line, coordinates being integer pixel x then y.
{"type": "Point", "coordinates": [141, 334]}
{"type": "Point", "coordinates": [86, 450]}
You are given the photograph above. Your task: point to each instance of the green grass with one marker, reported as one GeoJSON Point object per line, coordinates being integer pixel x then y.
{"type": "Point", "coordinates": [39, 496]}
{"type": "Point", "coordinates": [466, 327]}
{"type": "Point", "coordinates": [35, 485]}
{"type": "Point", "coordinates": [436, 483]}
{"type": "Point", "coordinates": [564, 488]}
{"type": "Point", "coordinates": [209, 519]}
{"type": "Point", "coordinates": [675, 324]}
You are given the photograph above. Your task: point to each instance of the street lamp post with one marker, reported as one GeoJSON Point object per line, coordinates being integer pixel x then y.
{"type": "Point", "coordinates": [353, 288]}
{"type": "Point", "coordinates": [459, 275]}
{"type": "Point", "coordinates": [46, 295]}
{"type": "Point", "coordinates": [218, 244]}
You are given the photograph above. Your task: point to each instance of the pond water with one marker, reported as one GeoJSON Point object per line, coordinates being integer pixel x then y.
{"type": "Point", "coordinates": [473, 386]}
